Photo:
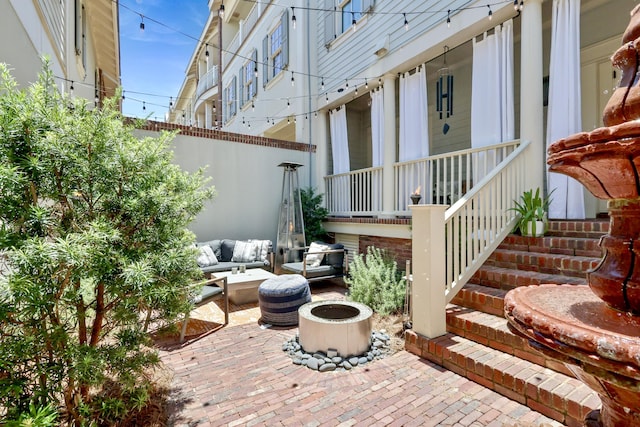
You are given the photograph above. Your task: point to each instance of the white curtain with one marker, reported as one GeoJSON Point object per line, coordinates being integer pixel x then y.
{"type": "Point", "coordinates": [339, 140]}
{"type": "Point", "coordinates": [414, 131]}
{"type": "Point", "coordinates": [377, 127]}
{"type": "Point", "coordinates": [564, 110]}
{"type": "Point", "coordinates": [492, 105]}
{"type": "Point", "coordinates": [340, 154]}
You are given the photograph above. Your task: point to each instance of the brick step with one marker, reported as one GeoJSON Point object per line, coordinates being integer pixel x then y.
{"type": "Point", "coordinates": [481, 298]}
{"type": "Point", "coordinates": [492, 331]}
{"type": "Point", "coordinates": [564, 265]}
{"type": "Point", "coordinates": [578, 246]}
{"type": "Point", "coordinates": [506, 278]}
{"type": "Point", "coordinates": [551, 393]}
{"type": "Point", "coordinates": [571, 228]}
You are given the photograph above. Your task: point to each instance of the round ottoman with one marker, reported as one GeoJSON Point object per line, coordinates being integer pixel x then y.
{"type": "Point", "coordinates": [281, 296]}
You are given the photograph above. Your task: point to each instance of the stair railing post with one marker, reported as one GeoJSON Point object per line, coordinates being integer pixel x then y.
{"type": "Point", "coordinates": [428, 254]}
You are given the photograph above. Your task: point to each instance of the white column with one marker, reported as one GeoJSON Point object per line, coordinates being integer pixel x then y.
{"type": "Point", "coordinates": [208, 123]}
{"type": "Point", "coordinates": [531, 113]}
{"type": "Point", "coordinates": [388, 186]}
{"type": "Point", "coordinates": [428, 300]}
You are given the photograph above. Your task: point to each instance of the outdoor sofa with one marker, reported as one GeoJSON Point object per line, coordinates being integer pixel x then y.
{"type": "Point", "coordinates": [320, 261]}
{"type": "Point", "coordinates": [224, 254]}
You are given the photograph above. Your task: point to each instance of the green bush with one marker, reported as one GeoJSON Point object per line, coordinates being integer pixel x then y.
{"type": "Point", "coordinates": [93, 225]}
{"type": "Point", "coordinates": [374, 280]}
{"type": "Point", "coordinates": [314, 214]}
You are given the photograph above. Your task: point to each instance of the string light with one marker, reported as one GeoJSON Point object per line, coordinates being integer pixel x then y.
{"type": "Point", "coordinates": [123, 95]}
{"type": "Point", "coordinates": [379, 82]}
{"type": "Point", "coordinates": [490, 12]}
{"type": "Point", "coordinates": [144, 106]}
{"type": "Point", "coordinates": [326, 97]}
{"type": "Point", "coordinates": [449, 18]}
{"type": "Point", "coordinates": [71, 88]}
{"type": "Point", "coordinates": [288, 103]}
{"type": "Point", "coordinates": [315, 114]}
{"type": "Point", "coordinates": [521, 6]}
{"type": "Point", "coordinates": [221, 10]}
{"type": "Point", "coordinates": [515, 5]}
{"type": "Point", "coordinates": [253, 107]}
{"type": "Point", "coordinates": [142, 23]}
{"type": "Point", "coordinates": [366, 85]}
{"type": "Point", "coordinates": [353, 22]}
{"type": "Point", "coordinates": [347, 84]}
{"type": "Point", "coordinates": [293, 17]}
{"type": "Point", "coordinates": [293, 81]}
{"type": "Point", "coordinates": [206, 52]}
{"type": "Point", "coordinates": [356, 89]}
{"type": "Point", "coordinates": [406, 23]}
{"type": "Point", "coordinates": [255, 69]}
{"type": "Point", "coordinates": [322, 84]}
{"type": "Point", "coordinates": [170, 101]}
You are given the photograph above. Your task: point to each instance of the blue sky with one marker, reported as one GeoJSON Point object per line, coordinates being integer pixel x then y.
{"type": "Point", "coordinates": [154, 61]}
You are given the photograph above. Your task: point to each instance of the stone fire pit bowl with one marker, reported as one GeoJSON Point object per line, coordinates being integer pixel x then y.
{"type": "Point", "coordinates": [335, 326]}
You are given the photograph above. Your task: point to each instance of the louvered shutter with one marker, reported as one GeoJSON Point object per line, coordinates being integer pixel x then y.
{"type": "Point", "coordinates": [254, 58]}
{"type": "Point", "coordinates": [284, 21]}
{"type": "Point", "coordinates": [234, 99]}
{"type": "Point", "coordinates": [241, 86]}
{"type": "Point", "coordinates": [265, 61]}
{"type": "Point", "coordinates": [329, 21]}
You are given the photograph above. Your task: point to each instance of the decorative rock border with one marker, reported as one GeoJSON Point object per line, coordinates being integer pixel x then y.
{"type": "Point", "coordinates": [323, 362]}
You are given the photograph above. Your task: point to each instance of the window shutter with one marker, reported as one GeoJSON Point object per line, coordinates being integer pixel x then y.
{"type": "Point", "coordinates": [78, 33]}
{"type": "Point", "coordinates": [329, 21]}
{"type": "Point", "coordinates": [234, 99]}
{"type": "Point", "coordinates": [254, 58]}
{"type": "Point", "coordinates": [284, 21]}
{"type": "Point", "coordinates": [225, 110]}
{"type": "Point", "coordinates": [265, 61]}
{"type": "Point", "coordinates": [241, 79]}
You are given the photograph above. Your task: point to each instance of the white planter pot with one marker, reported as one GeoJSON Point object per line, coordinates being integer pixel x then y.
{"type": "Point", "coordinates": [539, 229]}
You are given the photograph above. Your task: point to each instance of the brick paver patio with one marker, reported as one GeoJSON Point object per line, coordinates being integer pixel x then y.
{"type": "Point", "coordinates": [238, 375]}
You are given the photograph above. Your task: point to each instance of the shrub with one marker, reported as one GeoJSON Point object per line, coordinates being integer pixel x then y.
{"type": "Point", "coordinates": [93, 226]}
{"type": "Point", "coordinates": [314, 214]}
{"type": "Point", "coordinates": [374, 280]}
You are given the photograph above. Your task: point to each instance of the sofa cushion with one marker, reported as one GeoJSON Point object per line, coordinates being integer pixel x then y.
{"type": "Point", "coordinates": [227, 266]}
{"type": "Point", "coordinates": [315, 255]}
{"type": "Point", "coordinates": [206, 257]}
{"type": "Point", "coordinates": [215, 247]}
{"type": "Point", "coordinates": [244, 251]}
{"type": "Point", "coordinates": [312, 272]}
{"type": "Point", "coordinates": [226, 250]}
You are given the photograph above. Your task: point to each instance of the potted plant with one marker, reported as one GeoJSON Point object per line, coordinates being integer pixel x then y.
{"type": "Point", "coordinates": [532, 209]}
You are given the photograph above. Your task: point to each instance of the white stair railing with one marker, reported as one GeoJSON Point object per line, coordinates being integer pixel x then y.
{"type": "Point", "coordinates": [469, 231]}
{"type": "Point", "coordinates": [354, 193]}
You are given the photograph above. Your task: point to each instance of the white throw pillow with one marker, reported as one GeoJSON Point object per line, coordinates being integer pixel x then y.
{"type": "Point", "coordinates": [244, 251]}
{"type": "Point", "coordinates": [262, 249]}
{"type": "Point", "coordinates": [314, 259]}
{"type": "Point", "coordinates": [206, 256]}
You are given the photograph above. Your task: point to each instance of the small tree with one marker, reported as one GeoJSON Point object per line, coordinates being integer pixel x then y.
{"type": "Point", "coordinates": [313, 213]}
{"type": "Point", "coordinates": [374, 280]}
{"type": "Point", "coordinates": [93, 224]}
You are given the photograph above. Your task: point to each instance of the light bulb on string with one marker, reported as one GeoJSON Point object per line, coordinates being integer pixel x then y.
{"type": "Point", "coordinates": [206, 52]}
{"type": "Point", "coordinates": [379, 82]}
{"type": "Point", "coordinates": [366, 84]}
{"type": "Point", "coordinates": [315, 114]}
{"type": "Point", "coordinates": [142, 23]}
{"type": "Point", "coordinates": [255, 69]}
{"type": "Point", "coordinates": [123, 95]}
{"type": "Point", "coordinates": [293, 81]}
{"type": "Point", "coordinates": [326, 97]}
{"type": "Point", "coordinates": [144, 106]}
{"type": "Point", "coordinates": [490, 13]}
{"type": "Point", "coordinates": [521, 6]}
{"type": "Point", "coordinates": [253, 106]}
{"type": "Point", "coordinates": [356, 89]}
{"type": "Point", "coordinates": [295, 119]}
{"type": "Point", "coordinates": [71, 88]}
{"type": "Point", "coordinates": [221, 10]}
{"type": "Point", "coordinates": [293, 17]}
{"type": "Point", "coordinates": [353, 22]}
{"type": "Point", "coordinates": [288, 120]}
{"type": "Point", "coordinates": [170, 101]}
{"type": "Point", "coordinates": [288, 103]}
{"type": "Point", "coordinates": [406, 23]}
{"type": "Point", "coordinates": [515, 5]}
{"type": "Point", "coordinates": [449, 18]}
{"type": "Point", "coordinates": [346, 84]}
{"type": "Point", "coordinates": [322, 84]}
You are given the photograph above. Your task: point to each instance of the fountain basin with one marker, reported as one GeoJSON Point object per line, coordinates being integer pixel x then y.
{"type": "Point", "coordinates": [340, 326]}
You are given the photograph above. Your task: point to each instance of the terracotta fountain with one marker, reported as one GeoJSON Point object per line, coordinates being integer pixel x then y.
{"type": "Point", "coordinates": [595, 331]}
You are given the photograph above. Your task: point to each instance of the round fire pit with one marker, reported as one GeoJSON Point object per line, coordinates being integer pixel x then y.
{"type": "Point", "coordinates": [343, 327]}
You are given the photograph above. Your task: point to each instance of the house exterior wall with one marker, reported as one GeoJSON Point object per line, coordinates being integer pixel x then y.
{"type": "Point", "coordinates": [32, 29]}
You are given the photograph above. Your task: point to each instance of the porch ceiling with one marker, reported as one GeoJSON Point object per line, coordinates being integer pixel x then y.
{"type": "Point", "coordinates": [103, 23]}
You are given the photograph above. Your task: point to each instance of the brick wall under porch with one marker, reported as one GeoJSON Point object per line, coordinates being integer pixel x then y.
{"type": "Point", "coordinates": [398, 249]}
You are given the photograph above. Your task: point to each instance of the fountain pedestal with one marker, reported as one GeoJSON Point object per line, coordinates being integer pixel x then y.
{"type": "Point", "coordinates": [595, 331]}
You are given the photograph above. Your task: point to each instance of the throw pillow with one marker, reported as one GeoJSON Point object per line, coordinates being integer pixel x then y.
{"type": "Point", "coordinates": [206, 257]}
{"type": "Point", "coordinates": [244, 252]}
{"type": "Point", "coordinates": [226, 249]}
{"type": "Point", "coordinates": [314, 258]}
{"type": "Point", "coordinates": [262, 249]}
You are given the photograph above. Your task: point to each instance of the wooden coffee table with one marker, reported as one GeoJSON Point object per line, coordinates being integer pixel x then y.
{"type": "Point", "coordinates": [243, 287]}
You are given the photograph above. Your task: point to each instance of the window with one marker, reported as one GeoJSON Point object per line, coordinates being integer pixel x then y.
{"type": "Point", "coordinates": [352, 9]}
{"type": "Point", "coordinates": [248, 79]}
{"type": "Point", "coordinates": [275, 50]}
{"type": "Point", "coordinates": [229, 100]}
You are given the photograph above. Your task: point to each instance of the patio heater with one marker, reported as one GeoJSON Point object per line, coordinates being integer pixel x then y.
{"type": "Point", "coordinates": [290, 220]}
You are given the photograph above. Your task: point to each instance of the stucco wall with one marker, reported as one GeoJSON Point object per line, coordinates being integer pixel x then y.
{"type": "Point", "coordinates": [245, 173]}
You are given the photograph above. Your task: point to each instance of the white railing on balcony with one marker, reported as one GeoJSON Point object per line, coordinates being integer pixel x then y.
{"type": "Point", "coordinates": [443, 179]}
{"type": "Point", "coordinates": [207, 81]}
{"type": "Point", "coordinates": [247, 25]}
{"type": "Point", "coordinates": [230, 51]}
{"type": "Point", "coordinates": [469, 231]}
{"type": "Point", "coordinates": [354, 193]}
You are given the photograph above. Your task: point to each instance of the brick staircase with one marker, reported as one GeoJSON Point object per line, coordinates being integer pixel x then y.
{"type": "Point", "coordinates": [480, 346]}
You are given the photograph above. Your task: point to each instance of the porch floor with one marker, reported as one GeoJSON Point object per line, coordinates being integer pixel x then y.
{"type": "Point", "coordinates": [239, 375]}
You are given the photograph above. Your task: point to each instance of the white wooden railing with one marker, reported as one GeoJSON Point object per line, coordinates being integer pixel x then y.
{"type": "Point", "coordinates": [470, 230]}
{"type": "Point", "coordinates": [207, 81]}
{"type": "Point", "coordinates": [444, 178]}
{"type": "Point", "coordinates": [354, 193]}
